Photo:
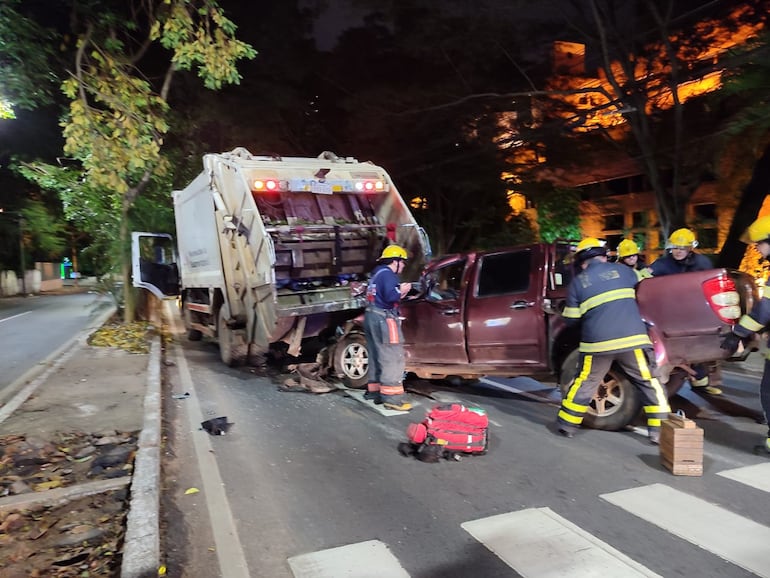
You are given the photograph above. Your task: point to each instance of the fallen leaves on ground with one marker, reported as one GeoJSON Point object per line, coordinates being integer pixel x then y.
{"type": "Point", "coordinates": [131, 337]}
{"type": "Point", "coordinates": [82, 538]}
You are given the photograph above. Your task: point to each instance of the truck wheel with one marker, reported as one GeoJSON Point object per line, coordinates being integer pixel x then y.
{"type": "Point", "coordinates": [192, 334]}
{"type": "Point", "coordinates": [225, 338]}
{"type": "Point", "coordinates": [616, 403]}
{"type": "Point", "coordinates": [351, 360]}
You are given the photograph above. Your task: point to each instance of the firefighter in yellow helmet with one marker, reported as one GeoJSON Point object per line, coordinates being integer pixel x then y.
{"type": "Point", "coordinates": [757, 320]}
{"type": "Point", "coordinates": [382, 327]}
{"type": "Point", "coordinates": [680, 257]}
{"type": "Point", "coordinates": [602, 299]}
{"type": "Point", "coordinates": [628, 254]}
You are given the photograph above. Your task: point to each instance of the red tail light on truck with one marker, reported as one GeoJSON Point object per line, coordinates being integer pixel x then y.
{"type": "Point", "coordinates": [723, 297]}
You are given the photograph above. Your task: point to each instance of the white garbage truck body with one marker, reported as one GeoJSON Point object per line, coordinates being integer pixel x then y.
{"type": "Point", "coordinates": [277, 249]}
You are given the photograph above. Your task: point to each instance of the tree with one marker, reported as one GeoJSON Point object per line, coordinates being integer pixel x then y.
{"type": "Point", "coordinates": [124, 60]}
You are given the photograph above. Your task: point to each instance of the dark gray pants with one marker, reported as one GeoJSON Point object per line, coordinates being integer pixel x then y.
{"type": "Point", "coordinates": [591, 371]}
{"type": "Point", "coordinates": [385, 342]}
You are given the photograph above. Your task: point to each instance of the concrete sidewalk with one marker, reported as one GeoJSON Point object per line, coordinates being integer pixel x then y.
{"type": "Point", "coordinates": [99, 389]}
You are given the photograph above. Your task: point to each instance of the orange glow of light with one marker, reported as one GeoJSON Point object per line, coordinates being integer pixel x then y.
{"type": "Point", "coordinates": [592, 108]}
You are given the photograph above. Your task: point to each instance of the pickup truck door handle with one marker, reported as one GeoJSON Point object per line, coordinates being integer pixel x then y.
{"type": "Point", "coordinates": [522, 304]}
{"type": "Point", "coordinates": [452, 311]}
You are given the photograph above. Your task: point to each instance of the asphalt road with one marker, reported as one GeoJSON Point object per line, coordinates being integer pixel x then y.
{"type": "Point", "coordinates": [312, 485]}
{"type": "Point", "coordinates": [34, 329]}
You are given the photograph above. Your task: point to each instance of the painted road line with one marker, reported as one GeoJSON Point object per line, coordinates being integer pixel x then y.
{"type": "Point", "coordinates": [757, 476]}
{"type": "Point", "coordinates": [539, 543]}
{"type": "Point", "coordinates": [14, 316]}
{"type": "Point", "coordinates": [371, 559]}
{"type": "Point", "coordinates": [736, 539]}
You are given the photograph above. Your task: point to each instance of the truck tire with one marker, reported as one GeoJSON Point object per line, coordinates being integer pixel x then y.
{"type": "Point", "coordinates": [351, 360]}
{"type": "Point", "coordinates": [616, 403]}
{"type": "Point", "coordinates": [192, 334]}
{"type": "Point", "coordinates": [227, 350]}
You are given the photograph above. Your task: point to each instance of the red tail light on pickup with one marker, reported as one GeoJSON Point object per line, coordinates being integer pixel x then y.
{"type": "Point", "coordinates": [723, 297]}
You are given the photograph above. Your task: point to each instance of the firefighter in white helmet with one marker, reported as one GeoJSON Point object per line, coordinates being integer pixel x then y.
{"type": "Point", "coordinates": [757, 320]}
{"type": "Point", "coordinates": [602, 298]}
{"type": "Point", "coordinates": [382, 326]}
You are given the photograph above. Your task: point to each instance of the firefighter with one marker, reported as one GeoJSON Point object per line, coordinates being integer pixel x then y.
{"type": "Point", "coordinates": [628, 254]}
{"type": "Point", "coordinates": [756, 320]}
{"type": "Point", "coordinates": [602, 298]}
{"type": "Point", "coordinates": [383, 330]}
{"type": "Point", "coordinates": [680, 257]}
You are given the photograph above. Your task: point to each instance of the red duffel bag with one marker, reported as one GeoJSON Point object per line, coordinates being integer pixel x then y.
{"type": "Point", "coordinates": [455, 427]}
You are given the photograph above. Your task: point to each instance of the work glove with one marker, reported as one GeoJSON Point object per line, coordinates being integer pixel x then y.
{"type": "Point", "coordinates": [730, 343]}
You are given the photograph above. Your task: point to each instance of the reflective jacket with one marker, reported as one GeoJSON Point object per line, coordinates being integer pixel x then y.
{"type": "Point", "coordinates": [603, 298]}
{"type": "Point", "coordinates": [667, 265]}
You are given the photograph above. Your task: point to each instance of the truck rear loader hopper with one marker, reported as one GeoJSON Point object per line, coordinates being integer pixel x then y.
{"type": "Point", "coordinates": [276, 249]}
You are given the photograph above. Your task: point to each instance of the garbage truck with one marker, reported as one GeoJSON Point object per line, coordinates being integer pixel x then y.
{"type": "Point", "coordinates": [274, 251]}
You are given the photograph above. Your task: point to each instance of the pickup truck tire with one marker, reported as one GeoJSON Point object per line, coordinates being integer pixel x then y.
{"type": "Point", "coordinates": [351, 360]}
{"type": "Point", "coordinates": [616, 403]}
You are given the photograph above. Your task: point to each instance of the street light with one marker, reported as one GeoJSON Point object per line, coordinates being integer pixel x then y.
{"type": "Point", "coordinates": [22, 222]}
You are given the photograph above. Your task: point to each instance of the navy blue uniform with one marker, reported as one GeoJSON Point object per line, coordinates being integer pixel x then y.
{"type": "Point", "coordinates": [667, 265]}
{"type": "Point", "coordinates": [384, 337]}
{"type": "Point", "coordinates": [603, 299]}
{"type": "Point", "coordinates": [752, 322]}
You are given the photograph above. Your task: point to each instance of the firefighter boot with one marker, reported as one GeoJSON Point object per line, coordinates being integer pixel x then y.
{"type": "Point", "coordinates": [653, 434]}
{"type": "Point", "coordinates": [702, 384]}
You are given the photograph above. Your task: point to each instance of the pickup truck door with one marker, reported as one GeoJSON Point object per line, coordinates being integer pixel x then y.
{"type": "Point", "coordinates": [153, 264]}
{"type": "Point", "coordinates": [433, 326]}
{"type": "Point", "coordinates": [504, 312]}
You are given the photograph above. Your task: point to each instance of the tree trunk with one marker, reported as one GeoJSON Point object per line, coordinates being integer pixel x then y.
{"type": "Point", "coordinates": [129, 310]}
{"type": "Point", "coordinates": [747, 210]}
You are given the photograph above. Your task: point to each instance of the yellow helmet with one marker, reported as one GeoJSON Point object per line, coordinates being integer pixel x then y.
{"type": "Point", "coordinates": [682, 238]}
{"type": "Point", "coordinates": [589, 243]}
{"type": "Point", "coordinates": [626, 248]}
{"type": "Point", "coordinates": [759, 230]}
{"type": "Point", "coordinates": [589, 248]}
{"type": "Point", "coordinates": [393, 252]}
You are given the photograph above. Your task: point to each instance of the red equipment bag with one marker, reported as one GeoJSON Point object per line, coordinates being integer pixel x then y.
{"type": "Point", "coordinates": [454, 427]}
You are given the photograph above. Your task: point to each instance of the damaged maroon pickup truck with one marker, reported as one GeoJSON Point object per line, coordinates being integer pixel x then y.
{"type": "Point", "coordinates": [497, 313]}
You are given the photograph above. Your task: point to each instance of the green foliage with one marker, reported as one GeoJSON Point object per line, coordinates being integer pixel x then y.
{"type": "Point", "coordinates": [26, 48]}
{"type": "Point", "coordinates": [44, 234]}
{"type": "Point", "coordinates": [558, 214]}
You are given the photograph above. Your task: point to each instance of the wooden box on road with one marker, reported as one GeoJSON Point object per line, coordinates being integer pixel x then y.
{"type": "Point", "coordinates": [681, 446]}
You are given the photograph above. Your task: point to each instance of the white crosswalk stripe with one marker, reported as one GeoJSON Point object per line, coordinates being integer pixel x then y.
{"type": "Point", "coordinates": [757, 476]}
{"type": "Point", "coordinates": [736, 539]}
{"type": "Point", "coordinates": [539, 543]}
{"type": "Point", "coordinates": [371, 559]}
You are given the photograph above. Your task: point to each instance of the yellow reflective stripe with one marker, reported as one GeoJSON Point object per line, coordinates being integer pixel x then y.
{"type": "Point", "coordinates": [581, 377]}
{"type": "Point", "coordinates": [653, 422]}
{"type": "Point", "coordinates": [570, 418]}
{"type": "Point", "coordinates": [569, 404]}
{"type": "Point", "coordinates": [749, 323]}
{"type": "Point", "coordinates": [615, 344]}
{"type": "Point", "coordinates": [606, 297]}
{"type": "Point", "coordinates": [571, 313]}
{"type": "Point", "coordinates": [656, 409]}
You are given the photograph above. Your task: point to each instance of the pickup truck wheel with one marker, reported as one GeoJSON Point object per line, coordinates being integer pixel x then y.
{"type": "Point", "coordinates": [616, 402]}
{"type": "Point", "coordinates": [351, 360]}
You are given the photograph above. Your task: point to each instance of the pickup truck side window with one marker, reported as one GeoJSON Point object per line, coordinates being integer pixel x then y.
{"type": "Point", "coordinates": [505, 273]}
{"type": "Point", "coordinates": [447, 281]}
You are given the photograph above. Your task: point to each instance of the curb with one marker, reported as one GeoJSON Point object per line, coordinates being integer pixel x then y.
{"type": "Point", "coordinates": [141, 550]}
